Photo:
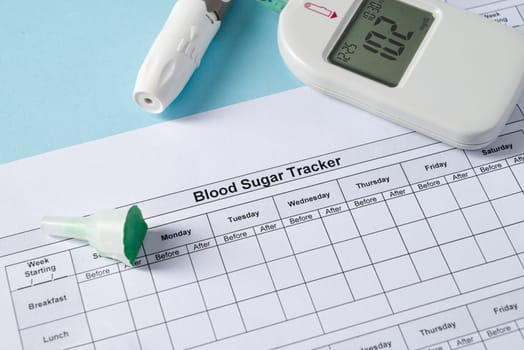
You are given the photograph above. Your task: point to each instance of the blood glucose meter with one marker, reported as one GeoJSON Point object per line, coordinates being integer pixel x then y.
{"type": "Point", "coordinates": [445, 72]}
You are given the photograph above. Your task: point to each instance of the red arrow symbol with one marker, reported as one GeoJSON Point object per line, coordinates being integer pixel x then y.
{"type": "Point", "coordinates": [321, 10]}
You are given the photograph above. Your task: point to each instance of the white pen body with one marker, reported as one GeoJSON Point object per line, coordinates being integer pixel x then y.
{"type": "Point", "coordinates": [175, 55]}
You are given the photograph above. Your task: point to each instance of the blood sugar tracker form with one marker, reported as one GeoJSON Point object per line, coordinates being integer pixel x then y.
{"type": "Point", "coordinates": [325, 228]}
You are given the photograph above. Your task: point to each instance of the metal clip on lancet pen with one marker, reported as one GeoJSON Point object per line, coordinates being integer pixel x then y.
{"type": "Point", "coordinates": [177, 52]}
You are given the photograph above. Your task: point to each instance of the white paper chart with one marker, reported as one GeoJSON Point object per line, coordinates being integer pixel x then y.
{"type": "Point", "coordinates": [396, 243]}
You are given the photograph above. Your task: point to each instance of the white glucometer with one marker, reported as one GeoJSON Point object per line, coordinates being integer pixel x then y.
{"type": "Point", "coordinates": [431, 67]}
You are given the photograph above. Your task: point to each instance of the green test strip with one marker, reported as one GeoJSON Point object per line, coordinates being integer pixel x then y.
{"type": "Point", "coordinates": [275, 5]}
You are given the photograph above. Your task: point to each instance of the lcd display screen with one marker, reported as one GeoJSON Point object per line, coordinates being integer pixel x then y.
{"type": "Point", "coordinates": [381, 40]}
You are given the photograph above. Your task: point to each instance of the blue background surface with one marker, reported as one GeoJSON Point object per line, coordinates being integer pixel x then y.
{"type": "Point", "coordinates": [68, 68]}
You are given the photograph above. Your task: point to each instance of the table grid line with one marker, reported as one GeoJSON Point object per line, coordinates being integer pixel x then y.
{"type": "Point", "coordinates": [475, 325]}
{"type": "Point", "coordinates": [336, 254]}
{"type": "Point", "coordinates": [81, 299]}
{"type": "Point", "coordinates": [265, 263]}
{"type": "Point", "coordinates": [402, 238]}
{"type": "Point", "coordinates": [465, 219]}
{"type": "Point", "coordinates": [495, 211]}
{"type": "Point", "coordinates": [235, 298]}
{"type": "Point", "coordinates": [201, 295]}
{"type": "Point", "coordinates": [299, 268]}
{"type": "Point", "coordinates": [158, 299]}
{"type": "Point", "coordinates": [367, 251]}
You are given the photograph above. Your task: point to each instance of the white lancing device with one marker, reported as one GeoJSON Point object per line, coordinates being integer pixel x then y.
{"type": "Point", "coordinates": [440, 70]}
{"type": "Point", "coordinates": [177, 51]}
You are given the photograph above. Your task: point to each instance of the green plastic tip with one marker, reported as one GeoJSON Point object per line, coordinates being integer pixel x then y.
{"type": "Point", "coordinates": [275, 5]}
{"type": "Point", "coordinates": [135, 229]}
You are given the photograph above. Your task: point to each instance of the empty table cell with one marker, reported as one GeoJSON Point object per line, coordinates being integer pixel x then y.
{"type": "Point", "coordinates": [499, 183]}
{"type": "Point", "coordinates": [422, 293]}
{"type": "Point", "coordinates": [352, 254]}
{"type": "Point", "coordinates": [488, 274]}
{"type": "Point", "coordinates": [449, 227]}
{"type": "Point", "coordinates": [307, 236]}
{"type": "Point", "coordinates": [261, 311]}
{"type": "Point", "coordinates": [384, 245]}
{"type": "Point", "coordinates": [318, 263]}
{"type": "Point", "coordinates": [110, 321]}
{"type": "Point", "coordinates": [285, 272]}
{"type": "Point", "coordinates": [330, 291]}
{"type": "Point", "coordinates": [291, 331]}
{"type": "Point", "coordinates": [226, 321]}
{"type": "Point", "coordinates": [217, 291]}
{"type": "Point", "coordinates": [181, 301]}
{"type": "Point", "coordinates": [417, 236]}
{"type": "Point", "coordinates": [137, 282]}
{"type": "Point", "coordinates": [515, 234]}
{"type": "Point", "coordinates": [495, 245]}
{"type": "Point", "coordinates": [468, 191]}
{"type": "Point", "coordinates": [462, 254]}
{"type": "Point", "coordinates": [430, 263]}
{"type": "Point", "coordinates": [182, 339]}
{"type": "Point", "coordinates": [251, 282]}
{"type": "Point", "coordinates": [396, 273]}
{"type": "Point", "coordinates": [509, 209]}
{"type": "Point", "coordinates": [102, 291]}
{"type": "Point", "coordinates": [241, 254]}
{"type": "Point", "coordinates": [353, 313]}
{"type": "Point", "coordinates": [364, 282]}
{"type": "Point", "coordinates": [173, 273]}
{"type": "Point", "coordinates": [125, 341]}
{"type": "Point", "coordinates": [437, 198]}
{"type": "Point", "coordinates": [275, 245]}
{"type": "Point", "coordinates": [155, 338]}
{"type": "Point", "coordinates": [146, 311]}
{"type": "Point", "coordinates": [372, 218]}
{"type": "Point", "coordinates": [340, 227]}
{"type": "Point", "coordinates": [296, 301]}
{"type": "Point", "coordinates": [405, 209]}
{"type": "Point", "coordinates": [481, 218]}
{"type": "Point", "coordinates": [207, 263]}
